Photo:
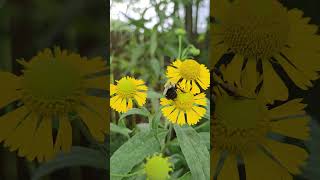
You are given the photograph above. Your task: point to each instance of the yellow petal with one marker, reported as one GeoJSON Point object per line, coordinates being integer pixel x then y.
{"type": "Point", "coordinates": [167, 110]}
{"type": "Point", "coordinates": [294, 127]}
{"type": "Point", "coordinates": [192, 117]}
{"type": "Point", "coordinates": [95, 124]}
{"type": "Point", "coordinates": [250, 76]}
{"type": "Point", "coordinates": [270, 81]}
{"type": "Point", "coordinates": [259, 166]}
{"type": "Point", "coordinates": [9, 121]}
{"type": "Point", "coordinates": [99, 82]}
{"type": "Point", "coordinates": [215, 157]}
{"type": "Point", "coordinates": [290, 156]}
{"type": "Point", "coordinates": [64, 136]}
{"type": "Point", "coordinates": [113, 89]}
{"type": "Point", "coordinates": [173, 116]}
{"type": "Point", "coordinates": [295, 75]}
{"type": "Point", "coordinates": [181, 118]}
{"type": "Point", "coordinates": [165, 101]}
{"type": "Point", "coordinates": [291, 108]}
{"type": "Point", "coordinates": [232, 73]}
{"type": "Point", "coordinates": [200, 111]}
{"type": "Point", "coordinates": [229, 169]}
{"type": "Point", "coordinates": [140, 97]}
{"type": "Point", "coordinates": [9, 91]}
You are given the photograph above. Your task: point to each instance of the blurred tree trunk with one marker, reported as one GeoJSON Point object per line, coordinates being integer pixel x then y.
{"type": "Point", "coordinates": [188, 20]}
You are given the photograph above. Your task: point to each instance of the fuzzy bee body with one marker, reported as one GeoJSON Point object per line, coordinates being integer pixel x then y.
{"type": "Point", "coordinates": [170, 91]}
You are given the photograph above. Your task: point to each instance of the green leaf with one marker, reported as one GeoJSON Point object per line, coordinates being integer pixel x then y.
{"type": "Point", "coordinates": [205, 138]}
{"type": "Point", "coordinates": [186, 176]}
{"type": "Point", "coordinates": [79, 156]}
{"type": "Point", "coordinates": [134, 152]}
{"type": "Point", "coordinates": [195, 152]}
{"type": "Point", "coordinates": [142, 112]}
{"type": "Point", "coordinates": [121, 130]}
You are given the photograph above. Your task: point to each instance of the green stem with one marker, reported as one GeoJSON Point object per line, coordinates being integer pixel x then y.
{"type": "Point", "coordinates": [168, 138]}
{"type": "Point", "coordinates": [127, 175]}
{"type": "Point", "coordinates": [180, 44]}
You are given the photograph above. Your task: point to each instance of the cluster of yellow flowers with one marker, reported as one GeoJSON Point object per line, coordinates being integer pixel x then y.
{"type": "Point", "coordinates": [54, 86]}
{"type": "Point", "coordinates": [188, 107]}
{"type": "Point", "coordinates": [265, 42]}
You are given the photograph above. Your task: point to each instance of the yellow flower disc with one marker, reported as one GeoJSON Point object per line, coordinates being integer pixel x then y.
{"type": "Point", "coordinates": [157, 168]}
{"type": "Point", "coordinates": [239, 124]}
{"type": "Point", "coordinates": [256, 32]}
{"type": "Point", "coordinates": [52, 86]}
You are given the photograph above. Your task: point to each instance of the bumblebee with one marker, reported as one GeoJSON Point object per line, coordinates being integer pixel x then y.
{"type": "Point", "coordinates": [170, 90]}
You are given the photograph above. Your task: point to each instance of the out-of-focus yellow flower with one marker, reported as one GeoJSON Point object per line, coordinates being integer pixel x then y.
{"type": "Point", "coordinates": [157, 168]}
{"type": "Point", "coordinates": [53, 86]}
{"type": "Point", "coordinates": [259, 36]}
{"type": "Point", "coordinates": [190, 73]}
{"type": "Point", "coordinates": [127, 90]}
{"type": "Point", "coordinates": [241, 127]}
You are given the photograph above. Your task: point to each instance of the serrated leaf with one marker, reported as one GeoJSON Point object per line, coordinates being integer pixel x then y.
{"type": "Point", "coordinates": [195, 152]}
{"type": "Point", "coordinates": [142, 112]}
{"type": "Point", "coordinates": [79, 156]}
{"type": "Point", "coordinates": [121, 130]}
{"type": "Point", "coordinates": [133, 152]}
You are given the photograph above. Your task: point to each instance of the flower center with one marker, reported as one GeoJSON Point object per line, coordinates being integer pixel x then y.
{"type": "Point", "coordinates": [184, 101]}
{"type": "Point", "coordinates": [256, 28]}
{"type": "Point", "coordinates": [190, 69]}
{"type": "Point", "coordinates": [239, 124]}
{"type": "Point", "coordinates": [126, 88]}
{"type": "Point", "coordinates": [51, 87]}
{"type": "Point", "coordinates": [157, 168]}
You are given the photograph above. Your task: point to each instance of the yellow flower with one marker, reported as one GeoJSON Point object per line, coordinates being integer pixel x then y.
{"type": "Point", "coordinates": [53, 86]}
{"type": "Point", "coordinates": [241, 127]}
{"type": "Point", "coordinates": [189, 72]}
{"type": "Point", "coordinates": [126, 90]}
{"type": "Point", "coordinates": [261, 35]}
{"type": "Point", "coordinates": [157, 168]}
{"type": "Point", "coordinates": [185, 108]}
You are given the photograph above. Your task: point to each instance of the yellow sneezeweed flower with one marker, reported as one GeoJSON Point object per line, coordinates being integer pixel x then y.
{"type": "Point", "coordinates": [187, 107]}
{"type": "Point", "coordinates": [241, 127]}
{"type": "Point", "coordinates": [259, 35]}
{"type": "Point", "coordinates": [53, 85]}
{"type": "Point", "coordinates": [127, 90]}
{"type": "Point", "coordinates": [157, 168]}
{"type": "Point", "coordinates": [190, 73]}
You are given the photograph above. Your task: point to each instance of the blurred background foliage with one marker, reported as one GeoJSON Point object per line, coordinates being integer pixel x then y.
{"type": "Point", "coordinates": [28, 26]}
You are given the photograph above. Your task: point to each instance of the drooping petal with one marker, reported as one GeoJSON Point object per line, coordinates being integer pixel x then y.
{"type": "Point", "coordinates": [64, 136]}
{"type": "Point", "coordinates": [259, 166]}
{"type": "Point", "coordinates": [293, 127]}
{"type": "Point", "coordinates": [290, 156]}
{"type": "Point", "coordinates": [229, 169]}
{"type": "Point", "coordinates": [270, 81]}
{"type": "Point", "coordinates": [293, 107]}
